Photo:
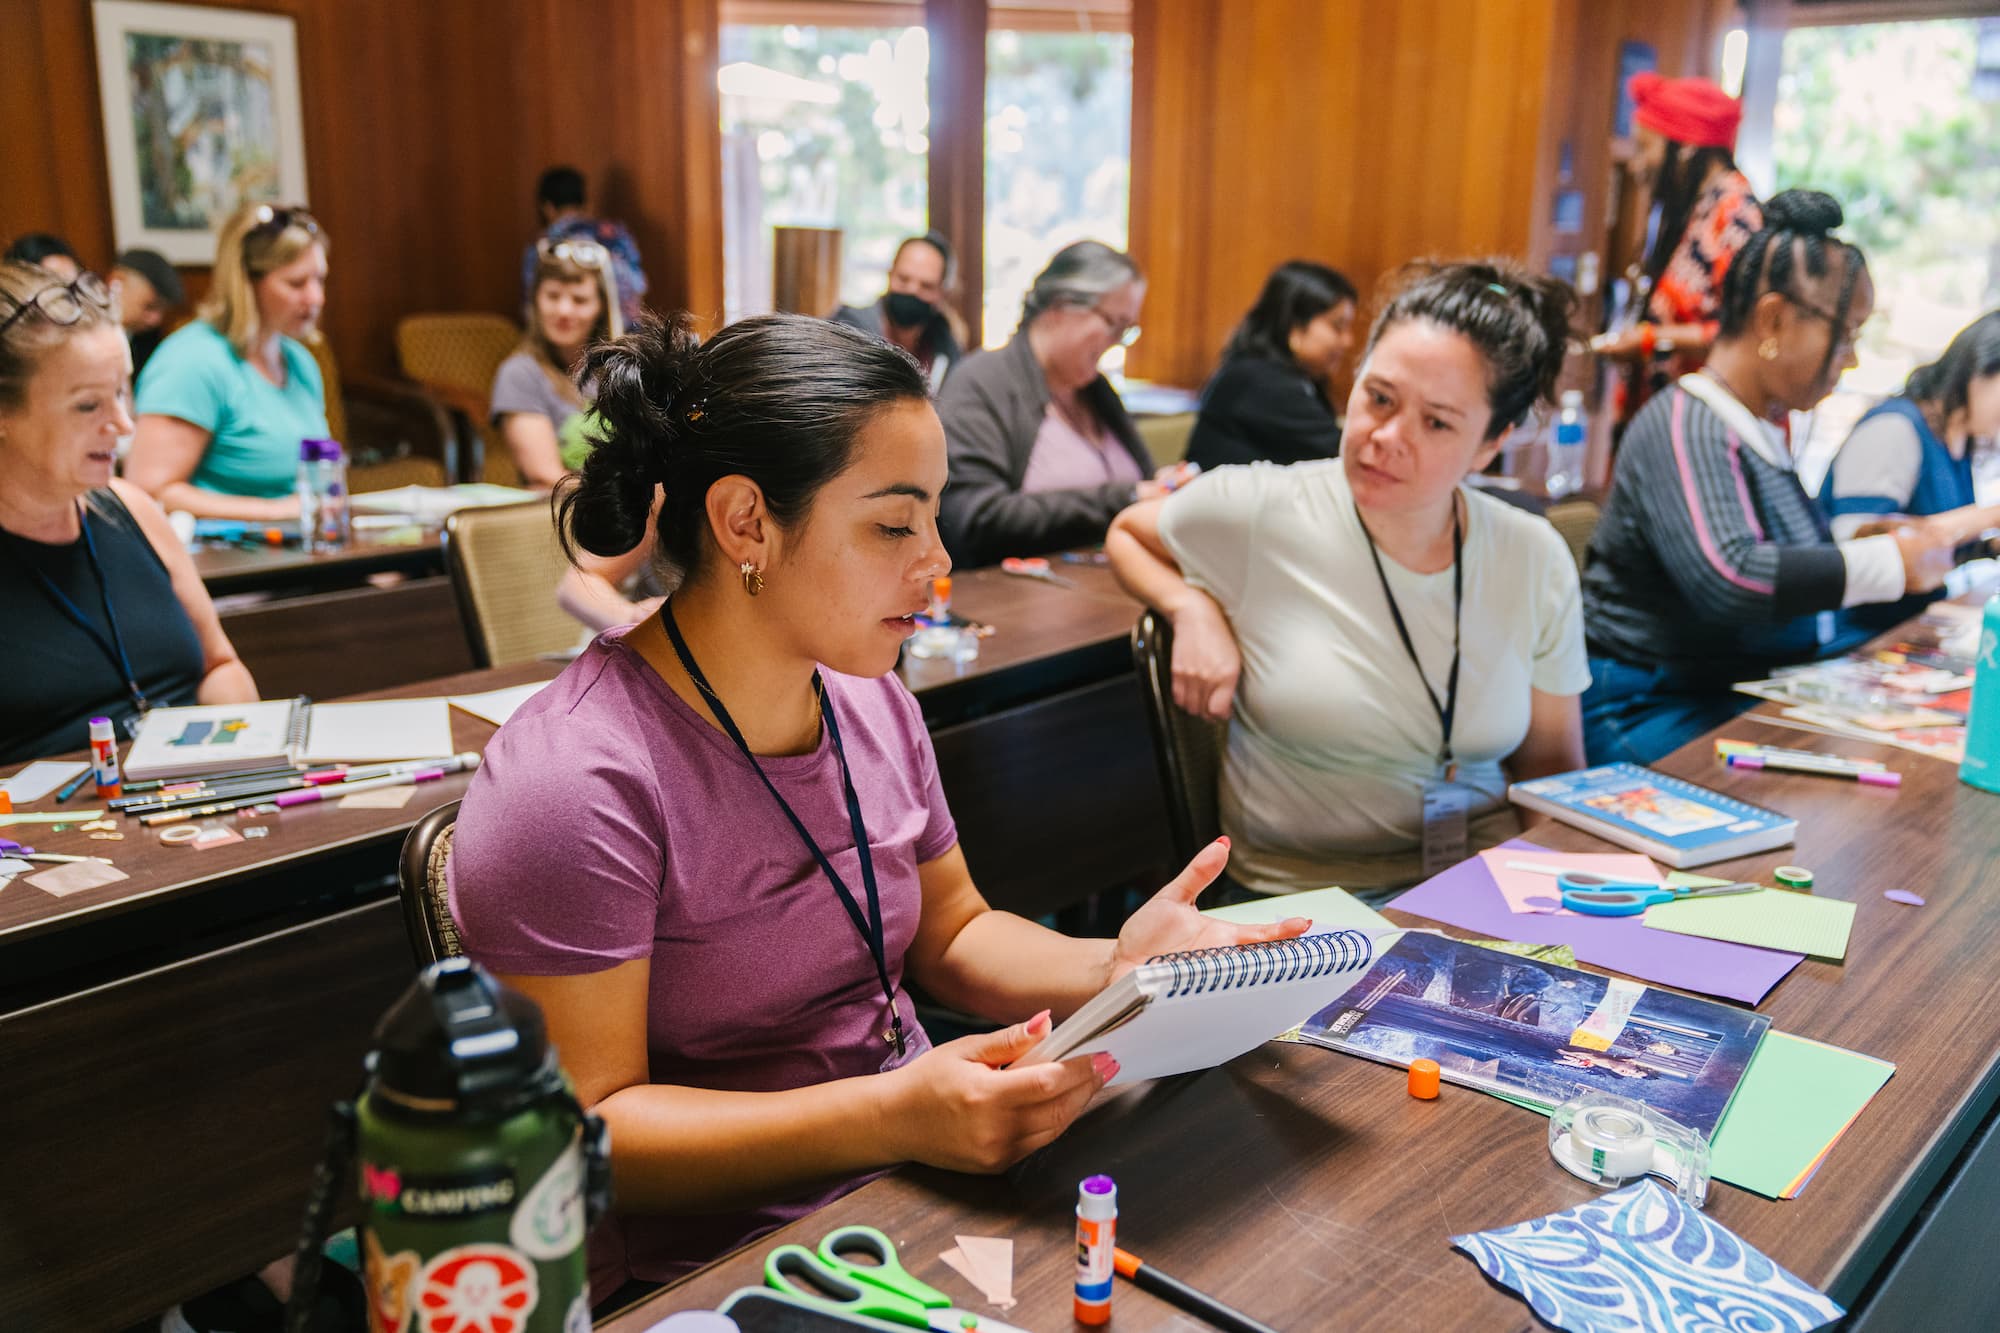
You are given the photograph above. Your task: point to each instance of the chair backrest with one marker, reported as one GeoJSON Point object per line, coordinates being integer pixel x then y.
{"type": "Point", "coordinates": [1166, 437]}
{"type": "Point", "coordinates": [329, 377]}
{"type": "Point", "coordinates": [456, 356]}
{"type": "Point", "coordinates": [1575, 520]}
{"type": "Point", "coordinates": [1188, 749]}
{"type": "Point", "coordinates": [421, 886]}
{"type": "Point", "coordinates": [505, 564]}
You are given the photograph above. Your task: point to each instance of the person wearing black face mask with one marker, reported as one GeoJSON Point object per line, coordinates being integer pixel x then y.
{"type": "Point", "coordinates": [913, 314]}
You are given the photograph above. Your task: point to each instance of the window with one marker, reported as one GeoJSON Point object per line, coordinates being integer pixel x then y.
{"type": "Point", "coordinates": [1899, 122]}
{"type": "Point", "coordinates": [824, 124]}
{"type": "Point", "coordinates": [1058, 150]}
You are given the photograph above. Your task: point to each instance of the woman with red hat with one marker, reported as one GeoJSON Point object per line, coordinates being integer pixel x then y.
{"type": "Point", "coordinates": [1705, 212]}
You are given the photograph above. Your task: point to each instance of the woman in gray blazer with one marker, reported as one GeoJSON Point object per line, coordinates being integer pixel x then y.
{"type": "Point", "coordinates": [1043, 454]}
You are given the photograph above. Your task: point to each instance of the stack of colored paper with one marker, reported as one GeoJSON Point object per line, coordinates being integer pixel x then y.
{"type": "Point", "coordinates": [1767, 919]}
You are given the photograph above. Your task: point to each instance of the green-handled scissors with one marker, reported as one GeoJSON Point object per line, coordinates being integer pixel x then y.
{"type": "Point", "coordinates": [856, 1272]}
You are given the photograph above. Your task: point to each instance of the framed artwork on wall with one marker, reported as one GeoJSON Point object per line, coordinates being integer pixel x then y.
{"type": "Point", "coordinates": [201, 112]}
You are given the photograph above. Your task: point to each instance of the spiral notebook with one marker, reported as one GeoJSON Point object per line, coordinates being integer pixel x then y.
{"type": "Point", "coordinates": [221, 738]}
{"type": "Point", "coordinates": [1183, 1011]}
{"type": "Point", "coordinates": [1671, 820]}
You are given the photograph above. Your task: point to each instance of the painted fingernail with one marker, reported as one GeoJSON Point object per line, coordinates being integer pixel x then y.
{"type": "Point", "coordinates": [1039, 1022]}
{"type": "Point", "coordinates": [1224, 840]}
{"type": "Point", "coordinates": [1105, 1066]}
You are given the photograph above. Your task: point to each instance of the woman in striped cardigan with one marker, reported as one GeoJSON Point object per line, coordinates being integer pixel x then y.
{"type": "Point", "coordinates": [1711, 564]}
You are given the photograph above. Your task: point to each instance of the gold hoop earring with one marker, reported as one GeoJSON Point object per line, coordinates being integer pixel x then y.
{"type": "Point", "coordinates": [1768, 349]}
{"type": "Point", "coordinates": [753, 578]}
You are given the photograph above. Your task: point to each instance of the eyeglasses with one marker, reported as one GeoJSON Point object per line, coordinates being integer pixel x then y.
{"type": "Point", "coordinates": [273, 219]}
{"type": "Point", "coordinates": [583, 254]}
{"type": "Point", "coordinates": [1849, 334]}
{"type": "Point", "coordinates": [1124, 335]}
{"type": "Point", "coordinates": [63, 303]}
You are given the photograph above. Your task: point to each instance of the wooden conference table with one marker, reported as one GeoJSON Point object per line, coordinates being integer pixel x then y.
{"type": "Point", "coordinates": [1308, 1189]}
{"type": "Point", "coordinates": [169, 1043]}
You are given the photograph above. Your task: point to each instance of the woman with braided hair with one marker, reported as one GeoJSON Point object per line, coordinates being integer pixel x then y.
{"type": "Point", "coordinates": [1711, 564]}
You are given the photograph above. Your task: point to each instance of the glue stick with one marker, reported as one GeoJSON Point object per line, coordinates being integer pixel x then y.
{"type": "Point", "coordinates": [104, 758]}
{"type": "Point", "coordinates": [1096, 1234]}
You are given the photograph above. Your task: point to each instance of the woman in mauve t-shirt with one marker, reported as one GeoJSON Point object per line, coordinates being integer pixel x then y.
{"type": "Point", "coordinates": [674, 847]}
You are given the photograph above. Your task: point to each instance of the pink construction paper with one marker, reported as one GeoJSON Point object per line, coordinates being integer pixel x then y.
{"type": "Point", "coordinates": [1521, 887]}
{"type": "Point", "coordinates": [1466, 896]}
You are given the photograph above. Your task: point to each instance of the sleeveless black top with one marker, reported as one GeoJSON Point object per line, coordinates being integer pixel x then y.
{"type": "Point", "coordinates": [54, 676]}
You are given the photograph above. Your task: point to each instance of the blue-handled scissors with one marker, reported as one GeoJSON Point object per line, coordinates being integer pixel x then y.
{"type": "Point", "coordinates": [1597, 895]}
{"type": "Point", "coordinates": [856, 1271]}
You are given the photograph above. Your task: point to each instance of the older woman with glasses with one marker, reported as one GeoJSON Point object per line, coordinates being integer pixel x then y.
{"type": "Point", "coordinates": [104, 613]}
{"type": "Point", "coordinates": [1043, 453]}
{"type": "Point", "coordinates": [226, 399]}
{"type": "Point", "coordinates": [1711, 564]}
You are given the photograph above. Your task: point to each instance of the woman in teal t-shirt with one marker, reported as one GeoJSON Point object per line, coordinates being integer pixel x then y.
{"type": "Point", "coordinates": [226, 399]}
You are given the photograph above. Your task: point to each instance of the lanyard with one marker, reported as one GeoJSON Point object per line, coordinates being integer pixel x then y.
{"type": "Point", "coordinates": [114, 647]}
{"type": "Point", "coordinates": [1447, 710]}
{"type": "Point", "coordinates": [870, 923]}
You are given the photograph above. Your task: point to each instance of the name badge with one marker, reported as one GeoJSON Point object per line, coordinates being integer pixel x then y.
{"type": "Point", "coordinates": [1447, 813]}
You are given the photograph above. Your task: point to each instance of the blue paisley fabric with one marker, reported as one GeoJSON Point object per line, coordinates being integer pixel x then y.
{"type": "Point", "coordinates": [1640, 1258]}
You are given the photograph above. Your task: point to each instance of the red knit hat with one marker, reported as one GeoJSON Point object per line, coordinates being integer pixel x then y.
{"type": "Point", "coordinates": [1689, 111]}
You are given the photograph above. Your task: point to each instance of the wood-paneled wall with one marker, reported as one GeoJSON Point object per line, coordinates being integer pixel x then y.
{"type": "Point", "coordinates": [1361, 135]}
{"type": "Point", "coordinates": [427, 122]}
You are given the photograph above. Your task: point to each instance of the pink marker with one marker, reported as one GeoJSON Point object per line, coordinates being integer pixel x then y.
{"type": "Point", "coordinates": [1874, 777]}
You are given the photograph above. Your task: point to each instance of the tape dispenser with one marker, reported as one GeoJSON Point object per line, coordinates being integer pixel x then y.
{"type": "Point", "coordinates": [1612, 1141]}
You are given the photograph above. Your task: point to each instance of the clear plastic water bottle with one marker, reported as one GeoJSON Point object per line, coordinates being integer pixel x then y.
{"type": "Point", "coordinates": [1981, 767]}
{"type": "Point", "coordinates": [325, 524]}
{"type": "Point", "coordinates": [1566, 447]}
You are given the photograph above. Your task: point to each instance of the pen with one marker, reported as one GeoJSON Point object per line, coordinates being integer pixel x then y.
{"type": "Point", "coordinates": [1874, 777]}
{"type": "Point", "coordinates": [69, 788]}
{"type": "Point", "coordinates": [458, 763]}
{"type": "Point", "coordinates": [1176, 1292]}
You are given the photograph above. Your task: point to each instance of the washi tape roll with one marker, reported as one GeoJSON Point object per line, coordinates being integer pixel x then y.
{"type": "Point", "coordinates": [1793, 877]}
{"type": "Point", "coordinates": [181, 833]}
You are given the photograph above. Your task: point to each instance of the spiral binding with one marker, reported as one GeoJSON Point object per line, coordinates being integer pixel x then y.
{"type": "Point", "coordinates": [1233, 967]}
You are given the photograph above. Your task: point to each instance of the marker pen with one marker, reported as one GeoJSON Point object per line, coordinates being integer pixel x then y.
{"type": "Point", "coordinates": [1096, 1236]}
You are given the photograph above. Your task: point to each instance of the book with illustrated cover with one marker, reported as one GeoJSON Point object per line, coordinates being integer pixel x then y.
{"type": "Point", "coordinates": [222, 738]}
{"type": "Point", "coordinates": [1681, 823]}
{"type": "Point", "coordinates": [1538, 1033]}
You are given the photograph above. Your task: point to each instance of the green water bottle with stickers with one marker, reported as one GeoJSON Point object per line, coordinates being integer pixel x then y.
{"type": "Point", "coordinates": [479, 1174]}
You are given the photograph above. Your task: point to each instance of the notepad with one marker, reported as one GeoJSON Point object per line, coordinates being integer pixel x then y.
{"type": "Point", "coordinates": [39, 779]}
{"type": "Point", "coordinates": [1767, 919]}
{"type": "Point", "coordinates": [1185, 1011]}
{"type": "Point", "coordinates": [1327, 909]}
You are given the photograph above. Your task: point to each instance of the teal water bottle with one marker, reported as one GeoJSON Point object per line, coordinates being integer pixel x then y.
{"type": "Point", "coordinates": [479, 1173]}
{"type": "Point", "coordinates": [1982, 728]}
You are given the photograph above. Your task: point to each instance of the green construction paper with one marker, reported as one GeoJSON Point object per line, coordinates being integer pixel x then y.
{"type": "Point", "coordinates": [1766, 919]}
{"type": "Point", "coordinates": [1795, 1100]}
{"type": "Point", "coordinates": [1335, 909]}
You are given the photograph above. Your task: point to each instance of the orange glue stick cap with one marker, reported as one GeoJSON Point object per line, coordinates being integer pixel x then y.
{"type": "Point", "coordinates": [1424, 1079]}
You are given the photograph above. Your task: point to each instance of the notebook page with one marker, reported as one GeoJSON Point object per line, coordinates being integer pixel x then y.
{"type": "Point", "coordinates": [379, 731]}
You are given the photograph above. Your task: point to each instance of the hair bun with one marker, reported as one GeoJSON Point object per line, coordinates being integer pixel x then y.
{"type": "Point", "coordinates": [1804, 212]}
{"type": "Point", "coordinates": [641, 383]}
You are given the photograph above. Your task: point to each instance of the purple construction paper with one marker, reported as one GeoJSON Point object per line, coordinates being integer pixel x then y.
{"type": "Point", "coordinates": [1466, 896]}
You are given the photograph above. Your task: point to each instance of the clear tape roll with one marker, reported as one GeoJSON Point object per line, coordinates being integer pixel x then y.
{"type": "Point", "coordinates": [1612, 1141]}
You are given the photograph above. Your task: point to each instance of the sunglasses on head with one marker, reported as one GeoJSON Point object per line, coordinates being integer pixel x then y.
{"type": "Point", "coordinates": [62, 302]}
{"type": "Point", "coordinates": [583, 254]}
{"type": "Point", "coordinates": [275, 218]}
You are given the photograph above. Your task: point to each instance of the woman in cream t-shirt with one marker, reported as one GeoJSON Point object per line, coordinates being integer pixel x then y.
{"type": "Point", "coordinates": [1284, 625]}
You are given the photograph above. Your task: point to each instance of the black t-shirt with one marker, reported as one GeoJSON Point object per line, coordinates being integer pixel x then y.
{"type": "Point", "coordinates": [1261, 409]}
{"type": "Point", "coordinates": [53, 675]}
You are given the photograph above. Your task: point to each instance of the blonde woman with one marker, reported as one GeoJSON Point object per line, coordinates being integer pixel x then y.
{"type": "Point", "coordinates": [535, 392]}
{"type": "Point", "coordinates": [226, 399]}
{"type": "Point", "coordinates": [104, 612]}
